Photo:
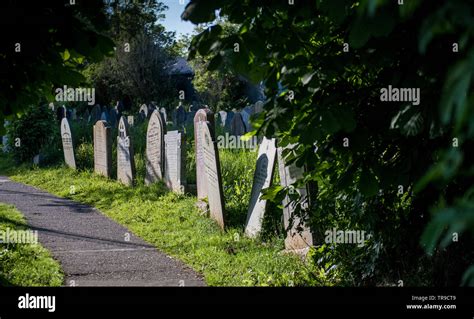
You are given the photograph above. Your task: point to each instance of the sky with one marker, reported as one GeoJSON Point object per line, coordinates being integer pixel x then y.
{"type": "Point", "coordinates": [173, 20]}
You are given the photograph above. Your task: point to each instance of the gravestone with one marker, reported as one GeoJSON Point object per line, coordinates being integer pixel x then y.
{"type": "Point", "coordinates": [74, 114]}
{"type": "Point", "coordinates": [237, 126]}
{"type": "Point", "coordinates": [155, 149]}
{"type": "Point", "coordinates": [125, 159]}
{"type": "Point", "coordinates": [95, 113]}
{"type": "Point", "coordinates": [163, 113]}
{"type": "Point", "coordinates": [202, 116]}
{"type": "Point", "coordinates": [222, 115]}
{"type": "Point", "coordinates": [262, 178]}
{"type": "Point", "coordinates": [246, 112]}
{"type": "Point", "coordinates": [299, 235]}
{"type": "Point", "coordinates": [175, 156]}
{"type": "Point", "coordinates": [213, 174]}
{"type": "Point", "coordinates": [228, 120]}
{"type": "Point", "coordinates": [130, 120]}
{"type": "Point", "coordinates": [68, 147]}
{"type": "Point", "coordinates": [143, 112]}
{"type": "Point", "coordinates": [102, 148]}
{"type": "Point", "coordinates": [113, 116]}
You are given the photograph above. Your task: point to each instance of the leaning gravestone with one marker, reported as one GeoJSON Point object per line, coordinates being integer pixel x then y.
{"type": "Point", "coordinates": [102, 148]}
{"type": "Point", "coordinates": [202, 116]}
{"type": "Point", "coordinates": [299, 235]}
{"type": "Point", "coordinates": [125, 160]}
{"type": "Point", "coordinates": [213, 174]}
{"type": "Point", "coordinates": [155, 148]}
{"type": "Point", "coordinates": [68, 148]}
{"type": "Point", "coordinates": [237, 126]}
{"type": "Point", "coordinates": [262, 178]}
{"type": "Point", "coordinates": [175, 155]}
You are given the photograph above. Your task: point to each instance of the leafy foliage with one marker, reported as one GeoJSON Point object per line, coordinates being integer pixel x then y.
{"type": "Point", "coordinates": [323, 64]}
{"type": "Point", "coordinates": [49, 46]}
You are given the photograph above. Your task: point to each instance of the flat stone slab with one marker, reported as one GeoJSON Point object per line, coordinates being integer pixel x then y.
{"type": "Point", "coordinates": [90, 246]}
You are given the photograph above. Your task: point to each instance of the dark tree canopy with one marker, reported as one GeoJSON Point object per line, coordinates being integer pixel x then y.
{"type": "Point", "coordinates": [44, 46]}
{"type": "Point", "coordinates": [391, 168]}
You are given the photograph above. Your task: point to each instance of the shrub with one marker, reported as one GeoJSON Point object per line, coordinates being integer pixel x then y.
{"type": "Point", "coordinates": [35, 131]}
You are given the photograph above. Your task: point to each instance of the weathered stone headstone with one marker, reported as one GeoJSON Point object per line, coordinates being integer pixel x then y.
{"type": "Point", "coordinates": [113, 117]}
{"type": "Point", "coordinates": [246, 112]}
{"type": "Point", "coordinates": [222, 115]}
{"type": "Point", "coordinates": [104, 116]}
{"type": "Point", "coordinates": [102, 148]}
{"type": "Point", "coordinates": [299, 235]}
{"type": "Point", "coordinates": [228, 120]}
{"type": "Point", "coordinates": [125, 159]}
{"type": "Point", "coordinates": [202, 116]}
{"type": "Point", "coordinates": [175, 157]}
{"type": "Point", "coordinates": [155, 149]}
{"type": "Point", "coordinates": [130, 120]}
{"type": "Point", "coordinates": [237, 126]}
{"type": "Point", "coordinates": [262, 179]}
{"type": "Point", "coordinates": [213, 174]}
{"type": "Point", "coordinates": [68, 147]}
{"type": "Point", "coordinates": [143, 112]}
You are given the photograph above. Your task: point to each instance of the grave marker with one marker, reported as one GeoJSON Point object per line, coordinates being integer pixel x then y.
{"type": "Point", "coordinates": [213, 174]}
{"type": "Point", "coordinates": [295, 240]}
{"type": "Point", "coordinates": [175, 155]}
{"type": "Point", "coordinates": [68, 148]}
{"type": "Point", "coordinates": [125, 158]}
{"type": "Point", "coordinates": [154, 148]}
{"type": "Point", "coordinates": [202, 116]}
{"type": "Point", "coordinates": [102, 148]}
{"type": "Point", "coordinates": [263, 177]}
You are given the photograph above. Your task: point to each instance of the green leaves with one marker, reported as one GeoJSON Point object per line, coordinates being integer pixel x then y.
{"type": "Point", "coordinates": [200, 11]}
{"type": "Point", "coordinates": [368, 184]}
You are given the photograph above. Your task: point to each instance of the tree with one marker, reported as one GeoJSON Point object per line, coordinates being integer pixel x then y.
{"type": "Point", "coordinates": [143, 53]}
{"type": "Point", "coordinates": [44, 48]}
{"type": "Point", "coordinates": [378, 166]}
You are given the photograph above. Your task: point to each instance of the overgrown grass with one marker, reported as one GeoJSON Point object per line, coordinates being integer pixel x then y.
{"type": "Point", "coordinates": [25, 264]}
{"type": "Point", "coordinates": [174, 225]}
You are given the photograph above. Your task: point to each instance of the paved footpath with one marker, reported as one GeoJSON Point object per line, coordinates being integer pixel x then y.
{"type": "Point", "coordinates": [91, 247]}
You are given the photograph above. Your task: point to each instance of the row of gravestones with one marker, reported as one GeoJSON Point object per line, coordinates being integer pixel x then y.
{"type": "Point", "coordinates": [209, 183]}
{"type": "Point", "coordinates": [165, 152]}
{"type": "Point", "coordinates": [165, 160]}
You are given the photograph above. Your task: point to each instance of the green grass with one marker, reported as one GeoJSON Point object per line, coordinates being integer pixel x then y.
{"type": "Point", "coordinates": [25, 264]}
{"type": "Point", "coordinates": [173, 224]}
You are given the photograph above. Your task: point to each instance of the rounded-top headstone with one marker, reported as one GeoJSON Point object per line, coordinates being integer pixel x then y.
{"type": "Point", "coordinates": [202, 117]}
{"type": "Point", "coordinates": [125, 155]}
{"type": "Point", "coordinates": [155, 148]}
{"type": "Point", "coordinates": [68, 147]}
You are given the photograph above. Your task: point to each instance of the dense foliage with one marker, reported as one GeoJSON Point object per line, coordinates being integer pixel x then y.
{"type": "Point", "coordinates": [390, 169]}
{"type": "Point", "coordinates": [48, 47]}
